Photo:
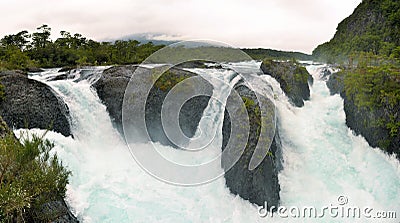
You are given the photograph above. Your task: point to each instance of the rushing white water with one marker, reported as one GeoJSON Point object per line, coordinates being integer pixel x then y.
{"type": "Point", "coordinates": [325, 160]}
{"type": "Point", "coordinates": [322, 160]}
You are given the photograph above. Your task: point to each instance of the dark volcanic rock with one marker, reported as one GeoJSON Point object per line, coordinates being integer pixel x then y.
{"type": "Point", "coordinates": [293, 78]}
{"type": "Point", "coordinates": [32, 104]}
{"type": "Point", "coordinates": [363, 121]}
{"type": "Point", "coordinates": [199, 64]}
{"type": "Point", "coordinates": [58, 77]}
{"type": "Point", "coordinates": [191, 113]}
{"type": "Point", "coordinates": [57, 211]}
{"type": "Point", "coordinates": [34, 70]}
{"type": "Point", "coordinates": [335, 84]}
{"type": "Point", "coordinates": [111, 89]}
{"type": "Point", "coordinates": [261, 184]}
{"type": "Point", "coordinates": [192, 64]}
{"type": "Point", "coordinates": [325, 74]}
{"type": "Point", "coordinates": [67, 69]}
{"type": "Point", "coordinates": [12, 72]}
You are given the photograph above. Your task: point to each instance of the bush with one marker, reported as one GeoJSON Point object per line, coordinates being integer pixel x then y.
{"type": "Point", "coordinates": [29, 178]}
{"type": "Point", "coordinates": [376, 87]}
{"type": "Point", "coordinates": [2, 92]}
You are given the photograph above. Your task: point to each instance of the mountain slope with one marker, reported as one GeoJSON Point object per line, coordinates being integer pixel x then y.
{"type": "Point", "coordinates": [373, 27]}
{"type": "Point", "coordinates": [366, 44]}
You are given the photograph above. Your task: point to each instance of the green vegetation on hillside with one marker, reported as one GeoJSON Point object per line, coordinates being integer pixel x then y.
{"type": "Point", "coordinates": [373, 27]}
{"type": "Point", "coordinates": [24, 50]}
{"type": "Point", "coordinates": [367, 46]}
{"type": "Point", "coordinates": [376, 87]}
{"type": "Point", "coordinates": [29, 178]}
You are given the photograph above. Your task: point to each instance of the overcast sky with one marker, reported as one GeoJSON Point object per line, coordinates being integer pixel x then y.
{"type": "Point", "coordinates": [298, 25]}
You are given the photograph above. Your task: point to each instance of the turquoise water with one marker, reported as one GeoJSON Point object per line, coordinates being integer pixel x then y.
{"type": "Point", "coordinates": [322, 161]}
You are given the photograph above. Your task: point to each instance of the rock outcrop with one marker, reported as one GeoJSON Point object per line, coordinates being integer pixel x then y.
{"type": "Point", "coordinates": [335, 84]}
{"type": "Point", "coordinates": [261, 184]}
{"type": "Point", "coordinates": [293, 78]}
{"type": "Point", "coordinates": [363, 121]}
{"type": "Point", "coordinates": [111, 89]}
{"type": "Point", "coordinates": [31, 104]}
{"type": "Point", "coordinates": [199, 64]}
{"type": "Point", "coordinates": [56, 208]}
{"type": "Point", "coordinates": [34, 70]}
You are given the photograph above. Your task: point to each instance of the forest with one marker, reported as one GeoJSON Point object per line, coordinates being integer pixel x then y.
{"type": "Point", "coordinates": [25, 50]}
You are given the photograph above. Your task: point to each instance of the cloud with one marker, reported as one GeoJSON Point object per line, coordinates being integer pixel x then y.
{"type": "Point", "coordinates": [279, 24]}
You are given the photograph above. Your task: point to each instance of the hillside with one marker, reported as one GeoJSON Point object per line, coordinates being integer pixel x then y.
{"type": "Point", "coordinates": [366, 45]}
{"type": "Point", "coordinates": [373, 27]}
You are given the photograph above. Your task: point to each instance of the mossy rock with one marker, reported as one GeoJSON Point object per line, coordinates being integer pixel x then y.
{"type": "Point", "coordinates": [293, 78]}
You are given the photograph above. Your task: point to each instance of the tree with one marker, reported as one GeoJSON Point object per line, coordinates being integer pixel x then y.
{"type": "Point", "coordinates": [42, 37]}
{"type": "Point", "coordinates": [17, 52]}
{"type": "Point", "coordinates": [19, 40]}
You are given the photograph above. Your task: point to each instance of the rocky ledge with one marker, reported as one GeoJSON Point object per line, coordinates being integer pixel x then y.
{"type": "Point", "coordinates": [31, 104]}
{"type": "Point", "coordinates": [293, 78]}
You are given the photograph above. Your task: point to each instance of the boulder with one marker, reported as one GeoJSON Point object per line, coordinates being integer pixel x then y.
{"type": "Point", "coordinates": [335, 83]}
{"type": "Point", "coordinates": [261, 184]}
{"type": "Point", "coordinates": [34, 70]}
{"type": "Point", "coordinates": [325, 73]}
{"type": "Point", "coordinates": [31, 104]}
{"type": "Point", "coordinates": [199, 64]}
{"type": "Point", "coordinates": [57, 210]}
{"type": "Point", "coordinates": [111, 89]}
{"type": "Point", "coordinates": [67, 68]}
{"type": "Point", "coordinates": [293, 78]}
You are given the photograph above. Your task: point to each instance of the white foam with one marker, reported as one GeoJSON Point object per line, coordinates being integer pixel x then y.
{"type": "Point", "coordinates": [322, 160]}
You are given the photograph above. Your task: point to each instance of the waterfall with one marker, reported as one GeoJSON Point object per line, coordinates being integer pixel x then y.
{"type": "Point", "coordinates": [323, 159]}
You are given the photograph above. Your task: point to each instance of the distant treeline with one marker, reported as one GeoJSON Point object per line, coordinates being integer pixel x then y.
{"type": "Point", "coordinates": [261, 54]}
{"type": "Point", "coordinates": [24, 50]}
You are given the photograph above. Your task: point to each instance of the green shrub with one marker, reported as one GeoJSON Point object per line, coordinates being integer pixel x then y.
{"type": "Point", "coordinates": [376, 87]}
{"type": "Point", "coordinates": [29, 177]}
{"type": "Point", "coordinates": [2, 92]}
